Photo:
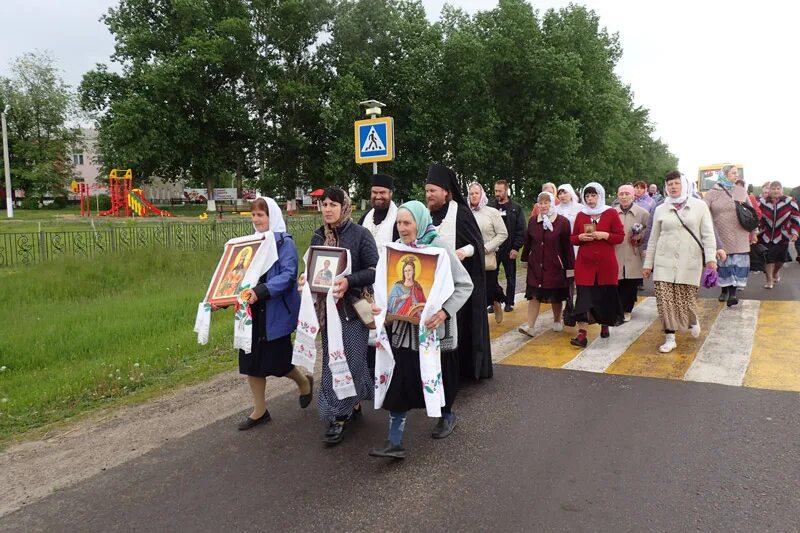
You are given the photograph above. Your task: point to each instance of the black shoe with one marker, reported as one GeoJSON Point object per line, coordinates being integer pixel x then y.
{"type": "Point", "coordinates": [389, 450]}
{"type": "Point", "coordinates": [356, 414]}
{"type": "Point", "coordinates": [723, 295]}
{"type": "Point", "coordinates": [335, 433]}
{"type": "Point", "coordinates": [248, 422]}
{"type": "Point", "coordinates": [732, 299]}
{"type": "Point", "coordinates": [508, 308]}
{"type": "Point", "coordinates": [490, 309]}
{"type": "Point", "coordinates": [444, 427]}
{"type": "Point", "coordinates": [305, 399]}
{"type": "Point", "coordinates": [581, 341]}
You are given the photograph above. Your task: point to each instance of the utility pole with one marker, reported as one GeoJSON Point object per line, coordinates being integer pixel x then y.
{"type": "Point", "coordinates": [7, 162]}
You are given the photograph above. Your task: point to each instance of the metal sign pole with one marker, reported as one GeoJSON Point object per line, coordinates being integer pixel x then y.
{"type": "Point", "coordinates": [9, 192]}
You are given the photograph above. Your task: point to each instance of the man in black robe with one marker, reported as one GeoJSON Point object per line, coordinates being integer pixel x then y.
{"type": "Point", "coordinates": [442, 194]}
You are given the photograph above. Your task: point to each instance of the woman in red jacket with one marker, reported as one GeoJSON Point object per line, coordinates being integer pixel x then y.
{"type": "Point", "coordinates": [597, 231]}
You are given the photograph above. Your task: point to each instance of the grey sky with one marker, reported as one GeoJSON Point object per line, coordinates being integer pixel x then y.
{"type": "Point", "coordinates": [719, 77]}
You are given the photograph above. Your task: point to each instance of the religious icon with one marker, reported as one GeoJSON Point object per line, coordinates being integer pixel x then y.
{"type": "Point", "coordinates": [589, 228]}
{"type": "Point", "coordinates": [230, 272]}
{"type": "Point", "coordinates": [324, 264]}
{"type": "Point", "coordinates": [409, 281]}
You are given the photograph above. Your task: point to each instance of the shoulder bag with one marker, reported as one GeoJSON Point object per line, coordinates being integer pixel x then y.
{"type": "Point", "coordinates": [748, 218]}
{"type": "Point", "coordinates": [710, 276]}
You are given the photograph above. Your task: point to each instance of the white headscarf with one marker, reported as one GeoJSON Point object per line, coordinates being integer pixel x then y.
{"type": "Point", "coordinates": [546, 218]}
{"type": "Point", "coordinates": [601, 206]}
{"type": "Point", "coordinates": [571, 208]}
{"type": "Point", "coordinates": [276, 222]}
{"type": "Point", "coordinates": [686, 190]}
{"type": "Point", "coordinates": [483, 200]}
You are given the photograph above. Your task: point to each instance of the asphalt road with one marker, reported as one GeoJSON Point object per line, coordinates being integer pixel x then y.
{"type": "Point", "coordinates": [535, 449]}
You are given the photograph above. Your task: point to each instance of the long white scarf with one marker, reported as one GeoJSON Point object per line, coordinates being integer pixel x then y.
{"type": "Point", "coordinates": [430, 359]}
{"type": "Point", "coordinates": [447, 229]}
{"type": "Point", "coordinates": [304, 352]}
{"type": "Point", "coordinates": [262, 261]}
{"type": "Point", "coordinates": [601, 206]}
{"type": "Point", "coordinates": [382, 232]}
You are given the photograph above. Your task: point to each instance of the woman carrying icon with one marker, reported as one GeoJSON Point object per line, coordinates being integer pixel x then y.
{"type": "Point", "coordinates": [415, 226]}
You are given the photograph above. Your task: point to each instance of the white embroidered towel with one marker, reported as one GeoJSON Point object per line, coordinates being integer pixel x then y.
{"type": "Point", "coordinates": [430, 361]}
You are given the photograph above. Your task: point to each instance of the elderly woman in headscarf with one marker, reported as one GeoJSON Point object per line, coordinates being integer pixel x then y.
{"type": "Point", "coordinates": [415, 226]}
{"type": "Point", "coordinates": [274, 304]}
{"type": "Point", "coordinates": [548, 254]}
{"type": "Point", "coordinates": [494, 233]}
{"type": "Point", "coordinates": [681, 244]}
{"type": "Point", "coordinates": [733, 241]}
{"type": "Point", "coordinates": [339, 230]}
{"type": "Point", "coordinates": [597, 231]}
{"type": "Point", "coordinates": [547, 187]}
{"type": "Point", "coordinates": [629, 253]}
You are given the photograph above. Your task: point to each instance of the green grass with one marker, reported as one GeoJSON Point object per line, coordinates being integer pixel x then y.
{"type": "Point", "coordinates": [78, 335]}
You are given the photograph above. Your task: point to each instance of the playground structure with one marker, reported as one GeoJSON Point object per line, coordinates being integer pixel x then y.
{"type": "Point", "coordinates": [125, 200]}
{"type": "Point", "coordinates": [82, 190]}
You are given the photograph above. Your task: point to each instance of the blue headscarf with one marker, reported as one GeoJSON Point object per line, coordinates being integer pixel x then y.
{"type": "Point", "coordinates": [426, 231]}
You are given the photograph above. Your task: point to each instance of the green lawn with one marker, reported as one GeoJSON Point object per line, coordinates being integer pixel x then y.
{"type": "Point", "coordinates": [81, 334]}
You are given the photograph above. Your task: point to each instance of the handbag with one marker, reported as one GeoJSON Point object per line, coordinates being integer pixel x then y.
{"type": "Point", "coordinates": [748, 218]}
{"type": "Point", "coordinates": [363, 308]}
{"type": "Point", "coordinates": [490, 261]}
{"type": "Point", "coordinates": [710, 277]}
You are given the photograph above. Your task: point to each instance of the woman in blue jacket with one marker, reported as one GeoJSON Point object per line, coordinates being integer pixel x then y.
{"type": "Point", "coordinates": [275, 304]}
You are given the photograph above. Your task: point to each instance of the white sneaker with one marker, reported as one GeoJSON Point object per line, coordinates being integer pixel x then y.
{"type": "Point", "coordinates": [558, 326]}
{"type": "Point", "coordinates": [627, 317]}
{"type": "Point", "coordinates": [694, 330]}
{"type": "Point", "coordinates": [669, 344]}
{"type": "Point", "coordinates": [526, 329]}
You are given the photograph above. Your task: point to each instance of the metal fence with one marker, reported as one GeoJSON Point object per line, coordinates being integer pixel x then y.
{"type": "Point", "coordinates": [28, 248]}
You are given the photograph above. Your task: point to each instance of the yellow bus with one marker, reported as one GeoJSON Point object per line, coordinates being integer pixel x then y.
{"type": "Point", "coordinates": [707, 175]}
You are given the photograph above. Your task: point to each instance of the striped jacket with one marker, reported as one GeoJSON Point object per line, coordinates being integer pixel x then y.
{"type": "Point", "coordinates": [780, 220]}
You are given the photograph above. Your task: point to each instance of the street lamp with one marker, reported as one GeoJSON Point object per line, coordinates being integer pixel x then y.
{"type": "Point", "coordinates": [9, 203]}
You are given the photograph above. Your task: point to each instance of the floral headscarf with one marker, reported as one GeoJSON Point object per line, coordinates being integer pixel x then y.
{"type": "Point", "coordinates": [331, 230]}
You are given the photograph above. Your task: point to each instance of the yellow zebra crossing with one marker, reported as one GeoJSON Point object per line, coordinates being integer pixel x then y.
{"type": "Point", "coordinates": [755, 344]}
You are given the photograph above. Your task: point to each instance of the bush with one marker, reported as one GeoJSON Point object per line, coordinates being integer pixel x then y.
{"type": "Point", "coordinates": [59, 202]}
{"type": "Point", "coordinates": [104, 202]}
{"type": "Point", "coordinates": [30, 202]}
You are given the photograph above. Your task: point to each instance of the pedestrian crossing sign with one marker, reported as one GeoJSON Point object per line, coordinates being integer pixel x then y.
{"type": "Point", "coordinates": [374, 140]}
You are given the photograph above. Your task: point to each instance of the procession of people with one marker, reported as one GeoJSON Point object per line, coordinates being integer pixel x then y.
{"type": "Point", "coordinates": [408, 334]}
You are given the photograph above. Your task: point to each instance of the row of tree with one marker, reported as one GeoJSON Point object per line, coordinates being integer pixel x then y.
{"type": "Point", "coordinates": [267, 90]}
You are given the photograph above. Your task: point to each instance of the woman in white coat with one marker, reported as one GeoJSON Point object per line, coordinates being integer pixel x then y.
{"type": "Point", "coordinates": [681, 244]}
{"type": "Point", "coordinates": [494, 233]}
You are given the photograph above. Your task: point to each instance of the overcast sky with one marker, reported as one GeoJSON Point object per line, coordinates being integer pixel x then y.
{"type": "Point", "coordinates": [720, 77]}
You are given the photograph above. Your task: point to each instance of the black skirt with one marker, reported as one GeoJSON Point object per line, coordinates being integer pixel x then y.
{"type": "Point", "coordinates": [268, 358]}
{"type": "Point", "coordinates": [405, 390]}
{"type": "Point", "coordinates": [547, 296]}
{"type": "Point", "coordinates": [599, 304]}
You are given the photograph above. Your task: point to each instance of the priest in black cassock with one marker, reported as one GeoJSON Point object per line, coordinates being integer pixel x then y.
{"type": "Point", "coordinates": [456, 225]}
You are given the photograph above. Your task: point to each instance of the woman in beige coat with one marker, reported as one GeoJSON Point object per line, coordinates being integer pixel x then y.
{"type": "Point", "coordinates": [629, 253]}
{"type": "Point", "coordinates": [681, 244]}
{"type": "Point", "coordinates": [494, 233]}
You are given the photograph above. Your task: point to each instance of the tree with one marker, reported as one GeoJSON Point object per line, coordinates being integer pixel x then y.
{"type": "Point", "coordinates": [39, 137]}
{"type": "Point", "coordinates": [178, 109]}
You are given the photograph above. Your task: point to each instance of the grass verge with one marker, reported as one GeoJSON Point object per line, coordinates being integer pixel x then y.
{"type": "Point", "coordinates": [76, 335]}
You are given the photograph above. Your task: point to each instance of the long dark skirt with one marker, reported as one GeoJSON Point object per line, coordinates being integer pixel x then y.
{"type": "Point", "coordinates": [628, 290]}
{"type": "Point", "coordinates": [599, 304]}
{"type": "Point", "coordinates": [268, 358]}
{"type": "Point", "coordinates": [405, 390]}
{"type": "Point", "coordinates": [494, 292]}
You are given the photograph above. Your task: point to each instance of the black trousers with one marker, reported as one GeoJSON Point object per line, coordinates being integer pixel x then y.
{"type": "Point", "coordinates": [628, 292]}
{"type": "Point", "coordinates": [510, 267]}
{"type": "Point", "coordinates": [494, 292]}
